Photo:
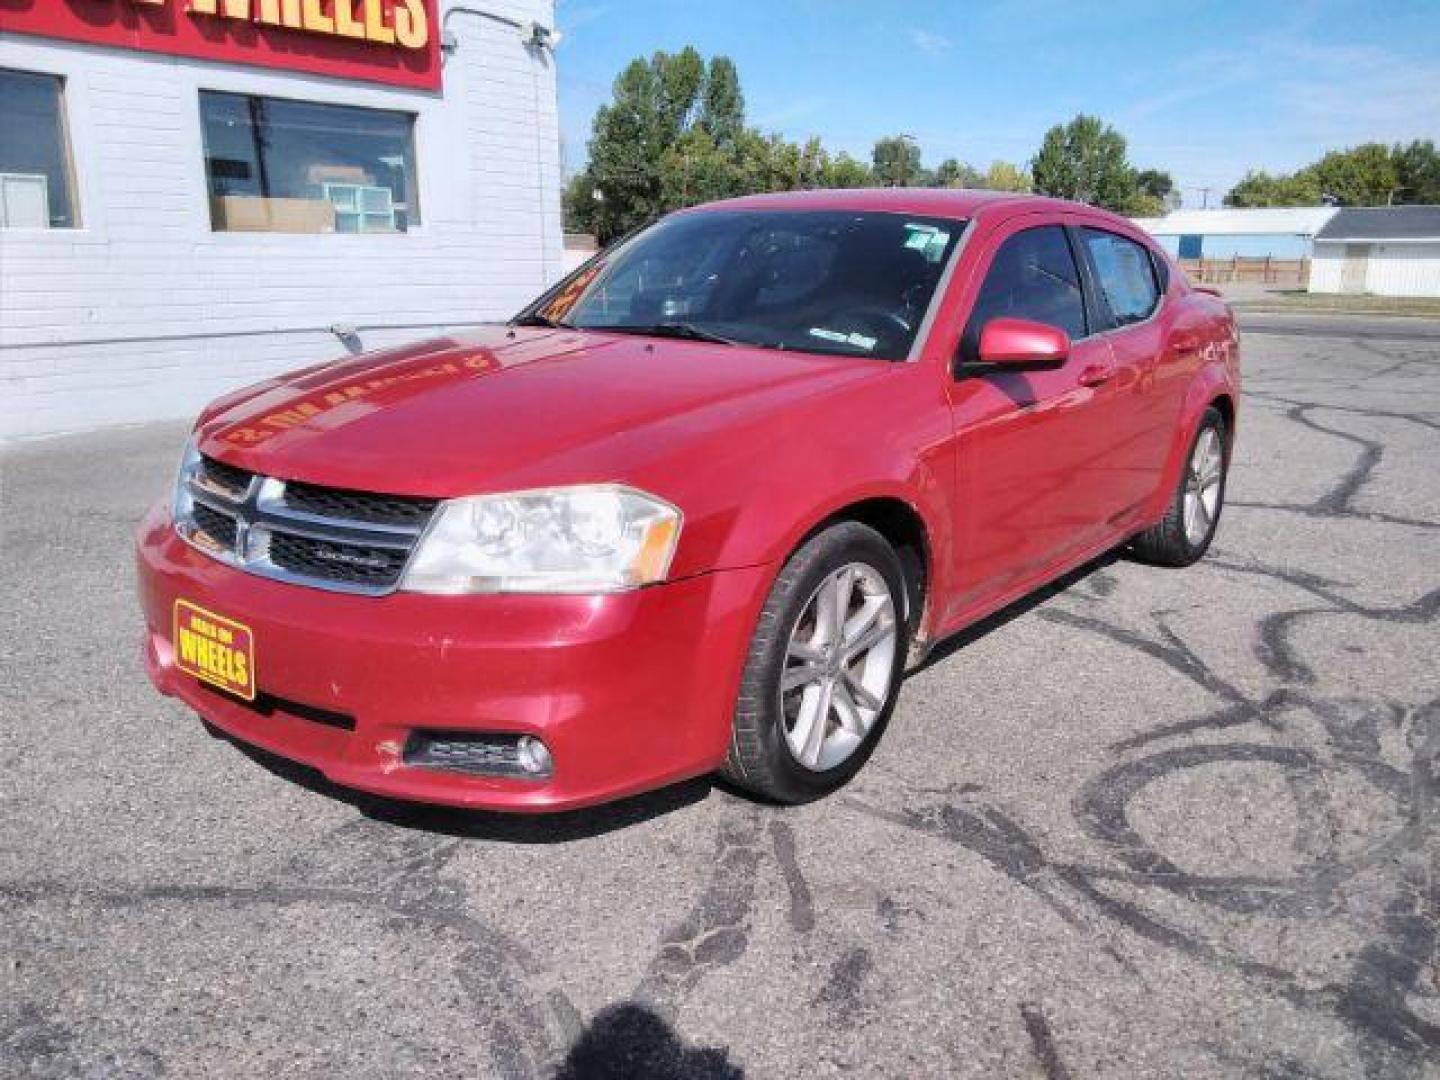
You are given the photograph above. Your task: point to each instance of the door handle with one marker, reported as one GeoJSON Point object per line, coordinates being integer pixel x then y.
{"type": "Point", "coordinates": [1096, 374]}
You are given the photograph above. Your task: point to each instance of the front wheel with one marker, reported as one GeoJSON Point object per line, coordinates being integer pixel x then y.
{"type": "Point", "coordinates": [1183, 535]}
{"type": "Point", "coordinates": [823, 669]}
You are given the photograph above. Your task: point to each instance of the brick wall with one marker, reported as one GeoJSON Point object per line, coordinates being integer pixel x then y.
{"type": "Point", "coordinates": [144, 313]}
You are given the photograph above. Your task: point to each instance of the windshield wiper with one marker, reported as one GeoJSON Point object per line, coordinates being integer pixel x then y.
{"type": "Point", "coordinates": [541, 320]}
{"type": "Point", "coordinates": [685, 331]}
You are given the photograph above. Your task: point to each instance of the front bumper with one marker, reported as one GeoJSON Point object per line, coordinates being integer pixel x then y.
{"type": "Point", "coordinates": [630, 691]}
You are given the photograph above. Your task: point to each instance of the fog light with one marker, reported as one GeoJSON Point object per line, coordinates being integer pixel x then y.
{"type": "Point", "coordinates": [478, 753]}
{"type": "Point", "coordinates": [533, 756]}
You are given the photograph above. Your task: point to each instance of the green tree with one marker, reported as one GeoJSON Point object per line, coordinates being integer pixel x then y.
{"type": "Point", "coordinates": [813, 164]}
{"type": "Point", "coordinates": [1363, 175]}
{"type": "Point", "coordinates": [951, 173]}
{"type": "Point", "coordinates": [626, 144]}
{"type": "Point", "coordinates": [1155, 183]}
{"type": "Point", "coordinates": [1260, 188]}
{"type": "Point", "coordinates": [1370, 174]}
{"type": "Point", "coordinates": [1417, 167]}
{"type": "Point", "coordinates": [723, 108]}
{"type": "Point", "coordinates": [1003, 176]}
{"type": "Point", "coordinates": [577, 201]}
{"type": "Point", "coordinates": [1085, 160]}
{"type": "Point", "coordinates": [843, 171]}
{"type": "Point", "coordinates": [647, 153]}
{"type": "Point", "coordinates": [896, 163]}
{"type": "Point", "coordinates": [695, 169]}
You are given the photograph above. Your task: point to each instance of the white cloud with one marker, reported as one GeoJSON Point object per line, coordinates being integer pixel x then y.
{"type": "Point", "coordinates": [929, 42]}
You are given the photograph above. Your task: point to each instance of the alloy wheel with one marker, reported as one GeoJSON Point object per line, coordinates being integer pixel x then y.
{"type": "Point", "coordinates": [838, 666]}
{"type": "Point", "coordinates": [1202, 486]}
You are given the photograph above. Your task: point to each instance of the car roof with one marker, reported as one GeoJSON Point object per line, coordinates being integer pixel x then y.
{"type": "Point", "coordinates": [931, 202]}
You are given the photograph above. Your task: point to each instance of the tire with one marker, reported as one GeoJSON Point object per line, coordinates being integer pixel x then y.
{"type": "Point", "coordinates": [795, 638]}
{"type": "Point", "coordinates": [1169, 542]}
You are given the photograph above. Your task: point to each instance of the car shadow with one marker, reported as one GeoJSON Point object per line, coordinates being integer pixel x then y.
{"type": "Point", "coordinates": [975, 631]}
{"type": "Point", "coordinates": [570, 825]}
{"type": "Point", "coordinates": [556, 828]}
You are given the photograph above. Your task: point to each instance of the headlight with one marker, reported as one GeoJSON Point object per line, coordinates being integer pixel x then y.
{"type": "Point", "coordinates": [593, 539]}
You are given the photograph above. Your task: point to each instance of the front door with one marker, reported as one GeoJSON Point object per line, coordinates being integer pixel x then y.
{"type": "Point", "coordinates": [1031, 495]}
{"type": "Point", "coordinates": [1355, 268]}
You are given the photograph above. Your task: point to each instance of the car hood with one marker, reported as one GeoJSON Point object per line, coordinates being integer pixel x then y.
{"type": "Point", "coordinates": [504, 408]}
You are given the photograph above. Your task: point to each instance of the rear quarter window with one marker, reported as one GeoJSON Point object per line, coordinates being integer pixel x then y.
{"type": "Point", "coordinates": [1126, 275]}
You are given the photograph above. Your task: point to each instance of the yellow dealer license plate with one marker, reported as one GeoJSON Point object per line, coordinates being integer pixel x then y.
{"type": "Point", "coordinates": [218, 650]}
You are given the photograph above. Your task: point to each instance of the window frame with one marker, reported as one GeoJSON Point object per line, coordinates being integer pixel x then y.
{"type": "Point", "coordinates": [253, 93]}
{"type": "Point", "coordinates": [960, 360]}
{"type": "Point", "coordinates": [1102, 302]}
{"type": "Point", "coordinates": [69, 163]}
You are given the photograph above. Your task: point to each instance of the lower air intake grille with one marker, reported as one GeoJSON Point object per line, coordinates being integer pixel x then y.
{"type": "Point", "coordinates": [476, 755]}
{"type": "Point", "coordinates": [270, 705]}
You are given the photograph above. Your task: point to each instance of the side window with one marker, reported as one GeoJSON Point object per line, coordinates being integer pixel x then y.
{"type": "Point", "coordinates": [1033, 276]}
{"type": "Point", "coordinates": [1127, 276]}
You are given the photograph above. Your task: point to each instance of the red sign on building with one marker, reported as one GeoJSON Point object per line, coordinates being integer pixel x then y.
{"type": "Point", "coordinates": [387, 41]}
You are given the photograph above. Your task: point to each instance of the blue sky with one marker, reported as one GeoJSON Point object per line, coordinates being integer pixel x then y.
{"type": "Point", "coordinates": [1204, 90]}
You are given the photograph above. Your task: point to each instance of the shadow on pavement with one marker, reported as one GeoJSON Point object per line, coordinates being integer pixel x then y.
{"type": "Point", "coordinates": [557, 828]}
{"type": "Point", "coordinates": [582, 824]}
{"type": "Point", "coordinates": [627, 1041]}
{"type": "Point", "coordinates": [1026, 604]}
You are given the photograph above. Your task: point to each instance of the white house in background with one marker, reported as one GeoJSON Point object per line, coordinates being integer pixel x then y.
{"type": "Point", "coordinates": [1385, 250]}
{"type": "Point", "coordinates": [198, 196]}
{"type": "Point", "coordinates": [1276, 232]}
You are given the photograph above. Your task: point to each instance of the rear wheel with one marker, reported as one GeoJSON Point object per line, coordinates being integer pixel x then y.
{"type": "Point", "coordinates": [1183, 535]}
{"type": "Point", "coordinates": [824, 667]}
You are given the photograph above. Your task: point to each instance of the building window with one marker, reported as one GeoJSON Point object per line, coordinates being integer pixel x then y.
{"type": "Point", "coordinates": [290, 166]}
{"type": "Point", "coordinates": [37, 184]}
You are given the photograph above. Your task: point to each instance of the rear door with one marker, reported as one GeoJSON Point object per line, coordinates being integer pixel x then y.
{"type": "Point", "coordinates": [1030, 495]}
{"type": "Point", "coordinates": [1136, 412]}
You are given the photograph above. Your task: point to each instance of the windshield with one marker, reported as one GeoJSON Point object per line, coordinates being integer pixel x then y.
{"type": "Point", "coordinates": [844, 283]}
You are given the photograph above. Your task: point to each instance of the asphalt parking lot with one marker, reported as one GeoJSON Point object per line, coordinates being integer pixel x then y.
{"type": "Point", "coordinates": [1157, 823]}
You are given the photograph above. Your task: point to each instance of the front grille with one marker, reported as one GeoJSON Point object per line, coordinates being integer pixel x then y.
{"type": "Point", "coordinates": [330, 561]}
{"type": "Point", "coordinates": [357, 505]}
{"type": "Point", "coordinates": [220, 528]}
{"type": "Point", "coordinates": [307, 534]}
{"type": "Point", "coordinates": [227, 480]}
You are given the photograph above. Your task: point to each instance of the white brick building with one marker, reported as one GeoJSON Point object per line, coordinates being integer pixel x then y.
{"type": "Point", "coordinates": [171, 228]}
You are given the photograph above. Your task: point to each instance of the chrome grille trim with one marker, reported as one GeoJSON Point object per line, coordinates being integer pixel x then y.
{"type": "Point", "coordinates": [259, 511]}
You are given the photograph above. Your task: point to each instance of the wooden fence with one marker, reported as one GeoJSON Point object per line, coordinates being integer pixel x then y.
{"type": "Point", "coordinates": [1262, 270]}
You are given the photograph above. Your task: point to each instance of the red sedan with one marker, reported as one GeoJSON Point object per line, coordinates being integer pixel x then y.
{"type": "Point", "coordinates": [696, 508]}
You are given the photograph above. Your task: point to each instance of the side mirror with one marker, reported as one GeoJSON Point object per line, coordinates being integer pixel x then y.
{"type": "Point", "coordinates": [1020, 343]}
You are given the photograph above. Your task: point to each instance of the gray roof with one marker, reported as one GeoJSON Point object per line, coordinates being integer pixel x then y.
{"type": "Point", "coordinates": [1383, 223]}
